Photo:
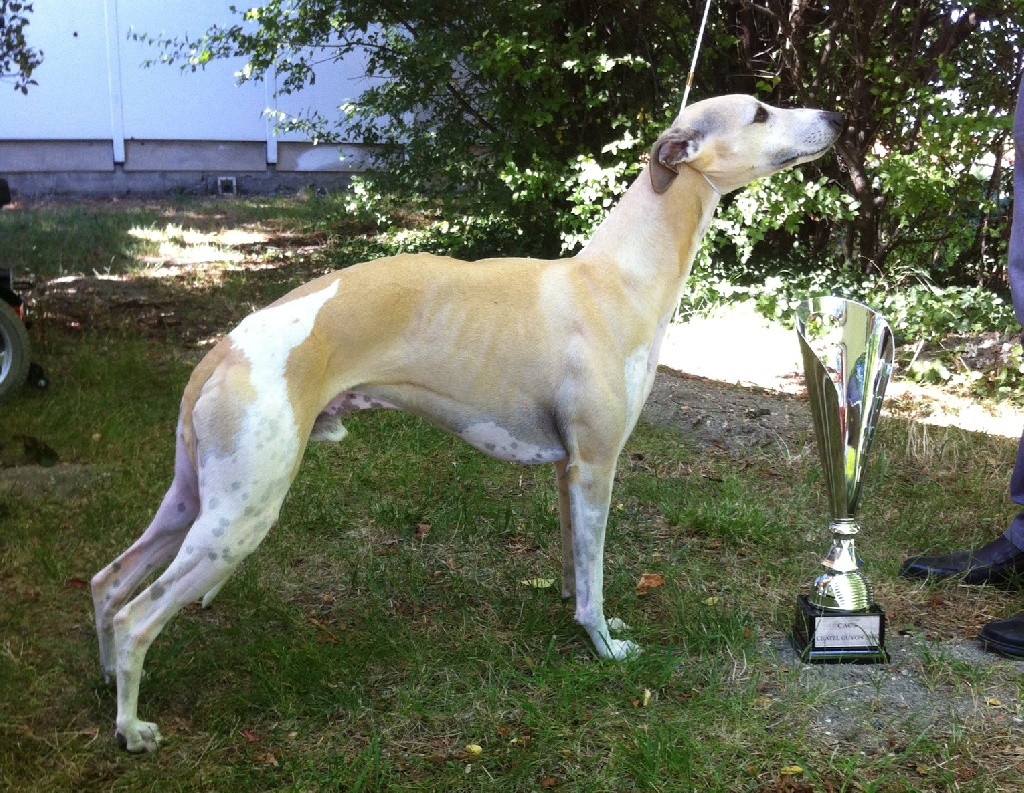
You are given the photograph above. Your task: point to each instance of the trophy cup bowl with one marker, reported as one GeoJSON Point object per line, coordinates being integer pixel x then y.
{"type": "Point", "coordinates": [847, 351]}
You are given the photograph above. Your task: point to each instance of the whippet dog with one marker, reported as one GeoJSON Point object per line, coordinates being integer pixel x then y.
{"type": "Point", "coordinates": [530, 361]}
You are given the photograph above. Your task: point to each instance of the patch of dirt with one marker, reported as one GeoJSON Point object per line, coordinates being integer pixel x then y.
{"type": "Point", "coordinates": [927, 688]}
{"type": "Point", "coordinates": [61, 482]}
{"type": "Point", "coordinates": [31, 471]}
{"type": "Point", "coordinates": [728, 417]}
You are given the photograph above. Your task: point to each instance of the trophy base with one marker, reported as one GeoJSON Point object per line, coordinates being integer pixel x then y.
{"type": "Point", "coordinates": [839, 637]}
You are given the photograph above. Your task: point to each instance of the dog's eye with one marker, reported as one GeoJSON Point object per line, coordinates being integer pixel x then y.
{"type": "Point", "coordinates": [761, 114]}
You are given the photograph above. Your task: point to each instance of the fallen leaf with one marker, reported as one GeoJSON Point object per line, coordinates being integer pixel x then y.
{"type": "Point", "coordinates": [78, 583]}
{"type": "Point", "coordinates": [648, 696]}
{"type": "Point", "coordinates": [250, 736]}
{"type": "Point", "coordinates": [538, 583]}
{"type": "Point", "coordinates": [549, 782]}
{"type": "Point", "coordinates": [649, 581]}
{"type": "Point", "coordinates": [712, 601]}
{"type": "Point", "coordinates": [268, 759]}
{"type": "Point", "coordinates": [331, 635]}
{"type": "Point", "coordinates": [422, 530]}
{"type": "Point", "coordinates": [791, 770]}
{"type": "Point", "coordinates": [474, 750]}
{"type": "Point", "coordinates": [992, 702]}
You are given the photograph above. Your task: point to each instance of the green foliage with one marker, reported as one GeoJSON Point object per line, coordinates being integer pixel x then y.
{"type": "Point", "coordinates": [786, 202]}
{"type": "Point", "coordinates": [17, 59]}
{"type": "Point", "coordinates": [491, 100]}
{"type": "Point", "coordinates": [536, 115]}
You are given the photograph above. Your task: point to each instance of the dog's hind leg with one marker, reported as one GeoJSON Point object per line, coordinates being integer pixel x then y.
{"type": "Point", "coordinates": [136, 625]}
{"type": "Point", "coordinates": [225, 533]}
{"type": "Point", "coordinates": [242, 488]}
{"type": "Point", "coordinates": [115, 583]}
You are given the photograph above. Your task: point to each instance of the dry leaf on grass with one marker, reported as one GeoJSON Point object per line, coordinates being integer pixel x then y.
{"type": "Point", "coordinates": [649, 581]}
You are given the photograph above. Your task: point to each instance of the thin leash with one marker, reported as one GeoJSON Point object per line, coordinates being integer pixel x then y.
{"type": "Point", "coordinates": [696, 52]}
{"type": "Point", "coordinates": [686, 95]}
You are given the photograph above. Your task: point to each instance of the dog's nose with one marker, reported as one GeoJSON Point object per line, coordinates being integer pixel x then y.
{"type": "Point", "coordinates": [835, 120]}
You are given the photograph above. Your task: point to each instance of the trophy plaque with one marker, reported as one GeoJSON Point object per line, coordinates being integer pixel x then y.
{"type": "Point", "coordinates": [847, 353]}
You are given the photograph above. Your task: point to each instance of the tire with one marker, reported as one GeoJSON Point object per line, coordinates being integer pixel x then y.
{"type": "Point", "coordinates": [14, 351]}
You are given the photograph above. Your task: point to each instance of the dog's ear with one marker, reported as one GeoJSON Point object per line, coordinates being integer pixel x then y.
{"type": "Point", "coordinates": [674, 147]}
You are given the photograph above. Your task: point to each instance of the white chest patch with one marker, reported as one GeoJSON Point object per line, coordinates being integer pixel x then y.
{"type": "Point", "coordinates": [639, 373]}
{"type": "Point", "coordinates": [639, 378]}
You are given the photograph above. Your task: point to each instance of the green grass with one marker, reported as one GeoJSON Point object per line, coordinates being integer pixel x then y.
{"type": "Point", "coordinates": [350, 654]}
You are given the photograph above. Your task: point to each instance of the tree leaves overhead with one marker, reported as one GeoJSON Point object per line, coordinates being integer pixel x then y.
{"type": "Point", "coordinates": [17, 59]}
{"type": "Point", "coordinates": [468, 91]}
{"type": "Point", "coordinates": [541, 111]}
{"type": "Point", "coordinates": [932, 83]}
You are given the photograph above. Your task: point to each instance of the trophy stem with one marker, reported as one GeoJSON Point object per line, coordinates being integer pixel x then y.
{"type": "Point", "coordinates": [842, 556]}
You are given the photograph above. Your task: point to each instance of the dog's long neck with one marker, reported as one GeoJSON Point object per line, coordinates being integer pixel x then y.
{"type": "Point", "coordinates": [652, 239]}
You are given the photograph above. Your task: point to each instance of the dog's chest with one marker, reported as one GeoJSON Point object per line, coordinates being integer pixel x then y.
{"type": "Point", "coordinates": [639, 371]}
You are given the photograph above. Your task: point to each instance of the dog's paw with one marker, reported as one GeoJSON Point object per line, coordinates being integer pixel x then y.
{"type": "Point", "coordinates": [622, 649]}
{"type": "Point", "coordinates": [138, 736]}
{"type": "Point", "coordinates": [616, 649]}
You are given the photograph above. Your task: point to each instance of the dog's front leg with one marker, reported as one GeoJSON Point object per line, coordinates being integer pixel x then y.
{"type": "Point", "coordinates": [589, 489]}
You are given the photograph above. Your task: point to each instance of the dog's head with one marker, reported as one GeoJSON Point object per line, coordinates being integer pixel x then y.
{"type": "Point", "coordinates": [736, 139]}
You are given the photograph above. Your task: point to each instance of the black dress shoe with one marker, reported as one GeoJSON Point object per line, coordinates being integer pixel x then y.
{"type": "Point", "coordinates": [999, 562]}
{"type": "Point", "coordinates": [1004, 636]}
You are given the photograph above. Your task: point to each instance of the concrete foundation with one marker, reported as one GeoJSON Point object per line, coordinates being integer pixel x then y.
{"type": "Point", "coordinates": [36, 169]}
{"type": "Point", "coordinates": [122, 183]}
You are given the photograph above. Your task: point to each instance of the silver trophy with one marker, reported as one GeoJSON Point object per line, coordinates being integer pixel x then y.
{"type": "Point", "coordinates": [848, 354]}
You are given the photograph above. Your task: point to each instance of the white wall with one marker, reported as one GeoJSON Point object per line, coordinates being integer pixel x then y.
{"type": "Point", "coordinates": [72, 99]}
{"type": "Point", "coordinates": [93, 87]}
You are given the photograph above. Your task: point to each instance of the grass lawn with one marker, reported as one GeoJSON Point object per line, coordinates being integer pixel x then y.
{"type": "Point", "coordinates": [393, 617]}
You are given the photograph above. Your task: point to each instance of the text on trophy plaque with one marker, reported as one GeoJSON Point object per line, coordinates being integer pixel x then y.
{"type": "Point", "coordinates": [846, 631]}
